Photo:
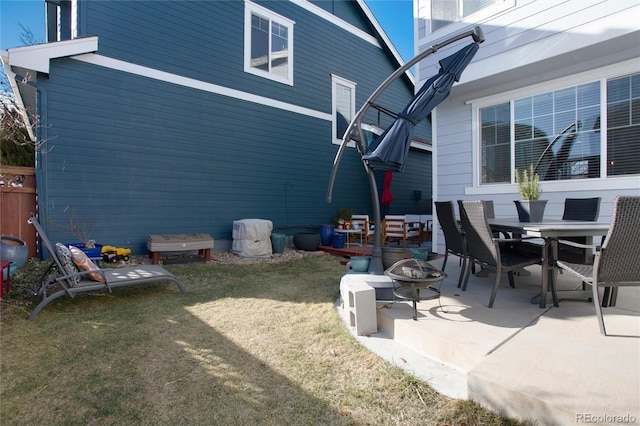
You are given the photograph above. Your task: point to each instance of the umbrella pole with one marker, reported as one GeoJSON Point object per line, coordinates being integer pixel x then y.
{"type": "Point", "coordinates": [375, 266]}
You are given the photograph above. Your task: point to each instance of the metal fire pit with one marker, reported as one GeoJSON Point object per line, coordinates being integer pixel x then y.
{"type": "Point", "coordinates": [413, 280]}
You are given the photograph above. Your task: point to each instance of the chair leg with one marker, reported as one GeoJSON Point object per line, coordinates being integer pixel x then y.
{"type": "Point", "coordinates": [462, 271]}
{"type": "Point", "coordinates": [614, 296]}
{"type": "Point", "coordinates": [467, 273]}
{"type": "Point", "coordinates": [597, 303]}
{"type": "Point", "coordinates": [495, 289]}
{"type": "Point", "coordinates": [446, 256]}
{"type": "Point", "coordinates": [552, 286]}
{"type": "Point", "coordinates": [512, 282]}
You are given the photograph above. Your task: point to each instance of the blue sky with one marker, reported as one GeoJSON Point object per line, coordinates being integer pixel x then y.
{"type": "Point", "coordinates": [395, 16]}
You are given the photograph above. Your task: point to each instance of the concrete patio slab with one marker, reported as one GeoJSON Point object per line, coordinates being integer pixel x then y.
{"type": "Point", "coordinates": [551, 365]}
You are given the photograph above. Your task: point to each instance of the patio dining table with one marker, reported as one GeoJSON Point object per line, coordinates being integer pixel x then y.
{"type": "Point", "coordinates": [550, 231]}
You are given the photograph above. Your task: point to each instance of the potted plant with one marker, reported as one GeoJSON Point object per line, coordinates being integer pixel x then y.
{"type": "Point", "coordinates": [530, 208]}
{"type": "Point", "coordinates": [342, 217]}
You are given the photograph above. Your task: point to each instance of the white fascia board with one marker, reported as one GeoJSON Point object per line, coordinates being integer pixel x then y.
{"type": "Point", "coordinates": [155, 74]}
{"type": "Point", "coordinates": [37, 57]}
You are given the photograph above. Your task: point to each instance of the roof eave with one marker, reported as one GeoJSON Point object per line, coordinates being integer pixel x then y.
{"type": "Point", "coordinates": [37, 57]}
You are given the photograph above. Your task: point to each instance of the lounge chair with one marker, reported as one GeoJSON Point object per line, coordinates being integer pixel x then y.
{"type": "Point", "coordinates": [64, 278]}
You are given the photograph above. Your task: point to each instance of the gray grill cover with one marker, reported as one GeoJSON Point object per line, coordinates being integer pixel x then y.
{"type": "Point", "coordinates": [252, 237]}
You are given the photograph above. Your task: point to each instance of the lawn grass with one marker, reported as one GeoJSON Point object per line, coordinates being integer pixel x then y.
{"type": "Point", "coordinates": [248, 344]}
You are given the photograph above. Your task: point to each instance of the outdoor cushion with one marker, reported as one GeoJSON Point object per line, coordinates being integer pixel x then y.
{"type": "Point", "coordinates": [83, 263]}
{"type": "Point", "coordinates": [64, 254]}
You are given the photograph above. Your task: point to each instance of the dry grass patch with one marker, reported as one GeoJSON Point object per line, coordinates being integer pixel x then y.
{"type": "Point", "coordinates": [248, 344]}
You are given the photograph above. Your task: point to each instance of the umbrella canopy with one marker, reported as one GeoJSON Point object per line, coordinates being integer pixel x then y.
{"type": "Point", "coordinates": [389, 151]}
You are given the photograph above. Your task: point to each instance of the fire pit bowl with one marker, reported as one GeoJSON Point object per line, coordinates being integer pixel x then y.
{"type": "Point", "coordinates": [412, 280]}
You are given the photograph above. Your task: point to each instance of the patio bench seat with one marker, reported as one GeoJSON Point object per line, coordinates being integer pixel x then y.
{"type": "Point", "coordinates": [157, 244]}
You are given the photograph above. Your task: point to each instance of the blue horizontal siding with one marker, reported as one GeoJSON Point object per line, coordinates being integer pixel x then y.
{"type": "Point", "coordinates": [162, 169]}
{"type": "Point", "coordinates": [134, 156]}
{"type": "Point", "coordinates": [204, 41]}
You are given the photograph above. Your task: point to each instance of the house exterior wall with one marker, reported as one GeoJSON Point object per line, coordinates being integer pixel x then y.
{"type": "Point", "coordinates": [160, 131]}
{"type": "Point", "coordinates": [531, 47]}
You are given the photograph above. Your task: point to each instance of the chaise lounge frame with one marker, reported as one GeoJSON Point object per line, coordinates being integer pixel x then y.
{"type": "Point", "coordinates": [55, 282]}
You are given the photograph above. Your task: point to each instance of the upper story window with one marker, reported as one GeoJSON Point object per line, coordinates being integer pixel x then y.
{"type": "Point", "coordinates": [344, 105]}
{"type": "Point", "coordinates": [61, 20]}
{"type": "Point", "coordinates": [559, 132]}
{"type": "Point", "coordinates": [445, 12]}
{"type": "Point", "coordinates": [268, 44]}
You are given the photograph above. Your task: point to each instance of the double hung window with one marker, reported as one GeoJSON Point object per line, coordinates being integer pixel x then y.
{"type": "Point", "coordinates": [268, 44]}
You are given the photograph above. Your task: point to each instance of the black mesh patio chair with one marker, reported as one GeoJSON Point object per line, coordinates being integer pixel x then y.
{"type": "Point", "coordinates": [617, 260]}
{"type": "Point", "coordinates": [584, 209]}
{"type": "Point", "coordinates": [453, 236]}
{"type": "Point", "coordinates": [497, 254]}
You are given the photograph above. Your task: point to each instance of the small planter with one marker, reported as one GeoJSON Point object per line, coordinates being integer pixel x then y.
{"type": "Point", "coordinates": [360, 263]}
{"type": "Point", "coordinates": [423, 254]}
{"type": "Point", "coordinates": [530, 210]}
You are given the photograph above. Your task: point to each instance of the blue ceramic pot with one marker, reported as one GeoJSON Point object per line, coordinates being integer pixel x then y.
{"type": "Point", "coordinates": [326, 234]}
{"type": "Point", "coordinates": [14, 250]}
{"type": "Point", "coordinates": [360, 263]}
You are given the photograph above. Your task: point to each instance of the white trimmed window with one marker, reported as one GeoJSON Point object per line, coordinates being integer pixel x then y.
{"type": "Point", "coordinates": [268, 44]}
{"type": "Point", "coordinates": [559, 132]}
{"type": "Point", "coordinates": [447, 12]}
{"type": "Point", "coordinates": [343, 106]}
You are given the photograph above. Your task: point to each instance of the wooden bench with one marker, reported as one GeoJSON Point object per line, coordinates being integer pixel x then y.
{"type": "Point", "coordinates": [157, 244]}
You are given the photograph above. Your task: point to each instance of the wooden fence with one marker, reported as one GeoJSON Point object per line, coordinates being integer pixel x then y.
{"type": "Point", "coordinates": [17, 201]}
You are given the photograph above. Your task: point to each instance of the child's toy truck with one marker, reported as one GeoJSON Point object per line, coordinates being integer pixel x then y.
{"type": "Point", "coordinates": [115, 254]}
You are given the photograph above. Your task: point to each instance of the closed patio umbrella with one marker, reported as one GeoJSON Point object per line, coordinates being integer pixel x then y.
{"type": "Point", "coordinates": [389, 151]}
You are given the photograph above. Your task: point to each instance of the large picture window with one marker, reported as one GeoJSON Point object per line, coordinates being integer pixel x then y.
{"type": "Point", "coordinates": [559, 133]}
{"type": "Point", "coordinates": [268, 44]}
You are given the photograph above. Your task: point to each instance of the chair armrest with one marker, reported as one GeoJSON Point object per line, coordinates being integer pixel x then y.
{"type": "Point", "coordinates": [511, 240]}
{"type": "Point", "coordinates": [585, 246]}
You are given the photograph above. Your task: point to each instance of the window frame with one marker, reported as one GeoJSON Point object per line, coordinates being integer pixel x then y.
{"type": "Point", "coordinates": [335, 81]}
{"type": "Point", "coordinates": [462, 23]}
{"type": "Point", "coordinates": [604, 182]}
{"type": "Point", "coordinates": [251, 9]}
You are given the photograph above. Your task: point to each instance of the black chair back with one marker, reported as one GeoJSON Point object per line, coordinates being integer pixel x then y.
{"type": "Point", "coordinates": [586, 209]}
{"type": "Point", "coordinates": [478, 234]}
{"type": "Point", "coordinates": [453, 237]}
{"type": "Point", "coordinates": [581, 209]}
